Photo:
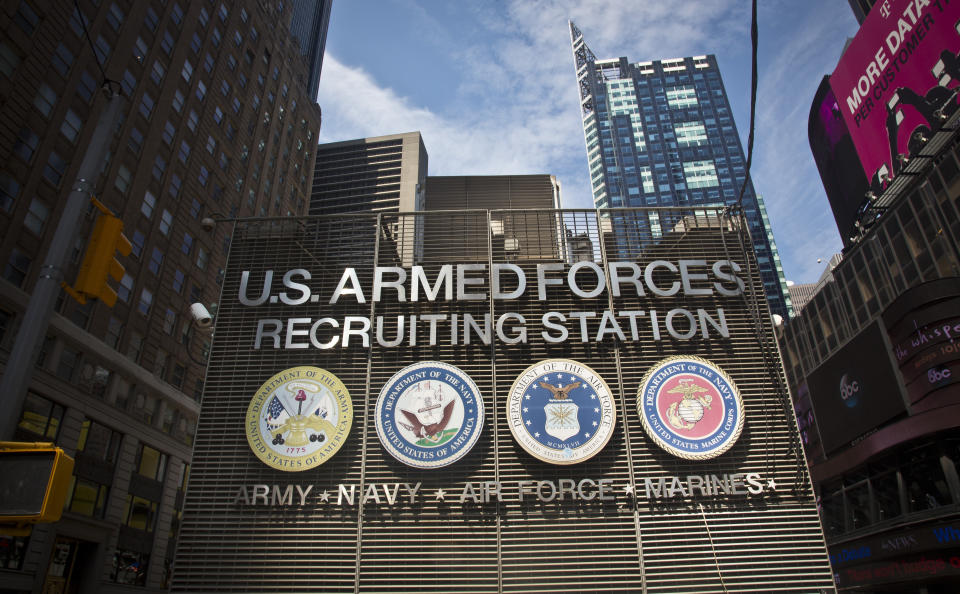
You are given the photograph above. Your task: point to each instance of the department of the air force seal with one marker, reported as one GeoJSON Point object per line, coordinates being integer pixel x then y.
{"type": "Point", "coordinates": [299, 418]}
{"type": "Point", "coordinates": [429, 415]}
{"type": "Point", "coordinates": [561, 411]}
{"type": "Point", "coordinates": [690, 407]}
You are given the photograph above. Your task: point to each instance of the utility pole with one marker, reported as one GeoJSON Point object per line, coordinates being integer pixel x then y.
{"type": "Point", "coordinates": [33, 327]}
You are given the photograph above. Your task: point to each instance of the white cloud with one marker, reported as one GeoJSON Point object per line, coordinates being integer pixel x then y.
{"type": "Point", "coordinates": [515, 105]}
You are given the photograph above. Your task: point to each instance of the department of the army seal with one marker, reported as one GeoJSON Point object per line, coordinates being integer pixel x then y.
{"type": "Point", "coordinates": [299, 418]}
{"type": "Point", "coordinates": [561, 411]}
{"type": "Point", "coordinates": [429, 415]}
{"type": "Point", "coordinates": [690, 407]}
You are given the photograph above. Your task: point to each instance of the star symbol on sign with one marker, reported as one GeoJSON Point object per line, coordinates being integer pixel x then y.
{"type": "Point", "coordinates": [586, 435]}
{"type": "Point", "coordinates": [772, 485]}
{"type": "Point", "coordinates": [628, 489]}
{"type": "Point", "coordinates": [593, 396]}
{"type": "Point", "coordinates": [529, 423]}
{"type": "Point", "coordinates": [571, 377]}
{"type": "Point", "coordinates": [325, 497]}
{"type": "Point", "coordinates": [559, 376]}
{"type": "Point", "coordinates": [525, 409]}
{"type": "Point", "coordinates": [527, 396]}
{"type": "Point", "coordinates": [440, 495]}
{"type": "Point", "coordinates": [594, 423]}
{"type": "Point", "coordinates": [596, 410]}
{"type": "Point", "coordinates": [537, 434]}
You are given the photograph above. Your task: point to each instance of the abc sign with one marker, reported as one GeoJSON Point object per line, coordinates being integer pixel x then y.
{"type": "Point", "coordinates": [849, 390]}
{"type": "Point", "coordinates": [935, 375]}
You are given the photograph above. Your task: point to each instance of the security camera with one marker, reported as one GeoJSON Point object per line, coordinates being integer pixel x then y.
{"type": "Point", "coordinates": [207, 224]}
{"type": "Point", "coordinates": [201, 317]}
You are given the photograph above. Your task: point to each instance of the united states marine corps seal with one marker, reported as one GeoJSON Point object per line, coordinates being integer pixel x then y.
{"type": "Point", "coordinates": [299, 418]}
{"type": "Point", "coordinates": [429, 415]}
{"type": "Point", "coordinates": [561, 411]}
{"type": "Point", "coordinates": [690, 407]}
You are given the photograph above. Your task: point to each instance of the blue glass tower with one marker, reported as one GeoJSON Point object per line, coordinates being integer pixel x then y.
{"type": "Point", "coordinates": [661, 133]}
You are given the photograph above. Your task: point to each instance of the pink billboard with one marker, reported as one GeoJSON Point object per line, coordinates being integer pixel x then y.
{"type": "Point", "coordinates": [898, 81]}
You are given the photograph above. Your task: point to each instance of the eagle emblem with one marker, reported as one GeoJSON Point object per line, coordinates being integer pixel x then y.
{"type": "Point", "coordinates": [429, 415]}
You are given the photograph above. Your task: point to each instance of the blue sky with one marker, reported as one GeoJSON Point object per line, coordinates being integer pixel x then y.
{"type": "Point", "coordinates": [490, 84]}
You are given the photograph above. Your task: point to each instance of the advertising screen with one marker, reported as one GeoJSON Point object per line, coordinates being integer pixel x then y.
{"type": "Point", "coordinates": [855, 390]}
{"type": "Point", "coordinates": [897, 81]}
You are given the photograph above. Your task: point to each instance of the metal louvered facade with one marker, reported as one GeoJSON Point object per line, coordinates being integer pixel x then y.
{"type": "Point", "coordinates": [631, 541]}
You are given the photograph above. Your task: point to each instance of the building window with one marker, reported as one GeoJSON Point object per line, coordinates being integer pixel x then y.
{"type": "Point", "coordinates": [102, 49]}
{"type": "Point", "coordinates": [151, 463]}
{"type": "Point", "coordinates": [136, 141]}
{"type": "Point", "coordinates": [140, 50]}
{"type": "Point", "coordinates": [146, 105]}
{"type": "Point", "coordinates": [149, 202]}
{"type": "Point", "coordinates": [176, 380]}
{"type": "Point", "coordinates": [166, 221]}
{"type": "Point", "coordinates": [187, 71]}
{"type": "Point", "coordinates": [40, 417]}
{"type": "Point", "coordinates": [17, 267]}
{"type": "Point", "coordinates": [178, 280]}
{"type": "Point", "coordinates": [136, 242]}
{"type": "Point", "coordinates": [9, 191]}
{"type": "Point", "coordinates": [167, 43]}
{"type": "Point", "coordinates": [129, 83]}
{"type": "Point", "coordinates": [54, 169]}
{"type": "Point", "coordinates": [123, 179]}
{"type": "Point", "coordinates": [159, 167]}
{"type": "Point", "coordinates": [157, 73]}
{"type": "Point", "coordinates": [176, 14]}
{"type": "Point", "coordinates": [184, 152]}
{"type": "Point", "coordinates": [196, 208]}
{"type": "Point", "coordinates": [86, 86]}
{"type": "Point", "coordinates": [125, 288]}
{"type": "Point", "coordinates": [62, 59]}
{"type": "Point", "coordinates": [156, 260]}
{"type": "Point", "coordinates": [160, 368]}
{"type": "Point", "coordinates": [203, 176]}
{"type": "Point", "coordinates": [87, 498]}
{"type": "Point", "coordinates": [146, 300]}
{"type": "Point", "coordinates": [45, 99]}
{"type": "Point", "coordinates": [134, 346]}
{"type": "Point", "coordinates": [178, 100]}
{"type": "Point", "coordinates": [115, 16]}
{"type": "Point", "coordinates": [202, 258]}
{"type": "Point", "coordinates": [99, 441]}
{"type": "Point", "coordinates": [208, 62]}
{"type": "Point", "coordinates": [36, 217]}
{"type": "Point", "coordinates": [196, 43]}
{"type": "Point", "coordinates": [26, 144]}
{"type": "Point", "coordinates": [9, 60]}
{"type": "Point", "coordinates": [114, 330]}
{"type": "Point", "coordinates": [26, 18]}
{"type": "Point", "coordinates": [187, 245]}
{"type": "Point", "coordinates": [192, 120]}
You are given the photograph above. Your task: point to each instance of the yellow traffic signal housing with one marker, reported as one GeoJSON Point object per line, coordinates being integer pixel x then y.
{"type": "Point", "coordinates": [36, 480]}
{"type": "Point", "coordinates": [100, 261]}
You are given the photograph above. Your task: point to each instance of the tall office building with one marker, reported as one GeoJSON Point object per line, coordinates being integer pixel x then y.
{"type": "Point", "coordinates": [309, 20]}
{"type": "Point", "coordinates": [379, 174]}
{"type": "Point", "coordinates": [218, 122]}
{"type": "Point", "coordinates": [661, 133]}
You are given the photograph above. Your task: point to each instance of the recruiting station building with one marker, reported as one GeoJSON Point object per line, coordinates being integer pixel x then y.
{"type": "Point", "coordinates": [407, 402]}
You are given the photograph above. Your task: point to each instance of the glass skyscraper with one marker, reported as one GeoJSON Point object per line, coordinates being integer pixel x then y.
{"type": "Point", "coordinates": [661, 133]}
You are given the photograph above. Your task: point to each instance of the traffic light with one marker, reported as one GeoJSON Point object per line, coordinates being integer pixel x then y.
{"type": "Point", "coordinates": [100, 262]}
{"type": "Point", "coordinates": [36, 479]}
